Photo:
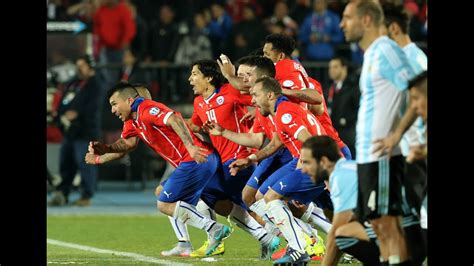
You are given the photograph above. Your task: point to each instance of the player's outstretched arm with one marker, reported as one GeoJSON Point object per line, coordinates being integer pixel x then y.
{"type": "Point", "coordinates": [273, 146]}
{"type": "Point", "coordinates": [254, 140]}
{"type": "Point", "coordinates": [265, 152]}
{"type": "Point", "coordinates": [179, 126]}
{"type": "Point", "coordinates": [316, 109]}
{"type": "Point", "coordinates": [192, 126]}
{"type": "Point", "coordinates": [92, 158]}
{"type": "Point", "coordinates": [307, 95]}
{"type": "Point", "coordinates": [121, 145]}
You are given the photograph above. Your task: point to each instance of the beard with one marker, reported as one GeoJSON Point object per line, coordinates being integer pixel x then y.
{"type": "Point", "coordinates": [263, 112]}
{"type": "Point", "coordinates": [321, 175]}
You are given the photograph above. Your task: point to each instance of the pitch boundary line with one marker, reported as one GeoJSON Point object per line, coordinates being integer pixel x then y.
{"type": "Point", "coordinates": [134, 256]}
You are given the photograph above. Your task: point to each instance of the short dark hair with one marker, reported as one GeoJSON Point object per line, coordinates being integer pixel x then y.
{"type": "Point", "coordinates": [125, 89]}
{"type": "Point", "coordinates": [341, 59]}
{"type": "Point", "coordinates": [143, 90]}
{"type": "Point", "coordinates": [210, 69]}
{"type": "Point", "coordinates": [395, 14]}
{"type": "Point", "coordinates": [258, 51]}
{"type": "Point", "coordinates": [269, 84]}
{"type": "Point", "coordinates": [88, 59]}
{"type": "Point", "coordinates": [323, 146]}
{"type": "Point", "coordinates": [420, 81]}
{"type": "Point", "coordinates": [372, 9]}
{"type": "Point", "coordinates": [264, 66]}
{"type": "Point", "coordinates": [282, 43]}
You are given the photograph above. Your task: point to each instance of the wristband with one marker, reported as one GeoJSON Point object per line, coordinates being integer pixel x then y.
{"type": "Point", "coordinates": [97, 159]}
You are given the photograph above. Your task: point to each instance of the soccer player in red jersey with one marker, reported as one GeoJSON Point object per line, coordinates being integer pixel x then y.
{"type": "Point", "coordinates": [294, 125]}
{"type": "Point", "coordinates": [290, 74]}
{"type": "Point", "coordinates": [165, 131]}
{"type": "Point", "coordinates": [221, 103]}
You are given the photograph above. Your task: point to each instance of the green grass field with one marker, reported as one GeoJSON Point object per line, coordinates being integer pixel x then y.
{"type": "Point", "coordinates": [144, 235]}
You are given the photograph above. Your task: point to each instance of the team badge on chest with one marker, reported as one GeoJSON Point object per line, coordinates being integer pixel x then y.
{"type": "Point", "coordinates": [220, 100]}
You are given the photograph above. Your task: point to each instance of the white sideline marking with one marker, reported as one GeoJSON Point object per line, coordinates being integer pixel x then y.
{"type": "Point", "coordinates": [117, 253]}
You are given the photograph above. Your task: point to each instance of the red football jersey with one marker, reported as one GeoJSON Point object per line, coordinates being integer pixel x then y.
{"type": "Point", "coordinates": [325, 119]}
{"type": "Point", "coordinates": [290, 119]}
{"type": "Point", "coordinates": [225, 107]}
{"type": "Point", "coordinates": [263, 124]}
{"type": "Point", "coordinates": [291, 74]}
{"type": "Point", "coordinates": [150, 126]}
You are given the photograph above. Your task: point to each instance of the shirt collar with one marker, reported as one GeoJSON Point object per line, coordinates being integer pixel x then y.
{"type": "Point", "coordinates": [280, 99]}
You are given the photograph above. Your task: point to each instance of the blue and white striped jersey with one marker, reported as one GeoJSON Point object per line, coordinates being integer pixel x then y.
{"type": "Point", "coordinates": [415, 134]}
{"type": "Point", "coordinates": [383, 85]}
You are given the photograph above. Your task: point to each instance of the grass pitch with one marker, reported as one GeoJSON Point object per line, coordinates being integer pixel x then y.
{"type": "Point", "coordinates": [145, 235]}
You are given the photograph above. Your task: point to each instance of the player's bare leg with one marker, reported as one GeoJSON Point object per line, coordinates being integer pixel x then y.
{"type": "Point", "coordinates": [392, 242]}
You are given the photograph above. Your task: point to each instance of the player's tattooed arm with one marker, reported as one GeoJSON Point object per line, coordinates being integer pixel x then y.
{"type": "Point", "coordinates": [92, 158]}
{"type": "Point", "coordinates": [269, 149]}
{"type": "Point", "coordinates": [121, 145]}
{"type": "Point", "coordinates": [308, 95]}
{"type": "Point", "coordinates": [316, 109]}
{"type": "Point", "coordinates": [179, 126]}
{"type": "Point", "coordinates": [124, 145]}
{"type": "Point", "coordinates": [192, 126]}
{"type": "Point", "coordinates": [265, 152]}
{"type": "Point", "coordinates": [250, 139]}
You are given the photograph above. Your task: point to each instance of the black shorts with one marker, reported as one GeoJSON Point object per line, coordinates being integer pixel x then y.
{"type": "Point", "coordinates": [415, 184]}
{"type": "Point", "coordinates": [380, 188]}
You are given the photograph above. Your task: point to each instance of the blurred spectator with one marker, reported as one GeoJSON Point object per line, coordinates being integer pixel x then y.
{"type": "Point", "coordinates": [320, 32]}
{"type": "Point", "coordinates": [236, 9]}
{"type": "Point", "coordinates": [84, 10]}
{"type": "Point", "coordinates": [78, 119]}
{"type": "Point", "coordinates": [114, 28]}
{"type": "Point", "coordinates": [164, 37]}
{"type": "Point", "coordinates": [424, 19]}
{"type": "Point", "coordinates": [423, 14]}
{"type": "Point", "coordinates": [342, 100]}
{"type": "Point", "coordinates": [131, 72]}
{"type": "Point", "coordinates": [415, 28]}
{"type": "Point", "coordinates": [53, 96]}
{"type": "Point", "coordinates": [196, 45]}
{"type": "Point", "coordinates": [336, 6]}
{"type": "Point", "coordinates": [147, 8]}
{"type": "Point", "coordinates": [277, 28]}
{"type": "Point", "coordinates": [247, 35]}
{"type": "Point", "coordinates": [56, 11]}
{"type": "Point", "coordinates": [139, 44]}
{"type": "Point", "coordinates": [62, 69]}
{"type": "Point", "coordinates": [280, 17]}
{"type": "Point", "coordinates": [219, 28]}
{"type": "Point", "coordinates": [300, 10]}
